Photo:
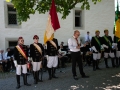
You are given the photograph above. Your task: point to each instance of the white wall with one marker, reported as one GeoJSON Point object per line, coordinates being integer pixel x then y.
{"type": "Point", "coordinates": [100, 16]}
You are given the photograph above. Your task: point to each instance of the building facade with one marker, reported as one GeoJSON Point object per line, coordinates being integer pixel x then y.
{"type": "Point", "coordinates": [99, 17]}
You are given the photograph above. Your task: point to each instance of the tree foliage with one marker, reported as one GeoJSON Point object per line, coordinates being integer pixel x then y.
{"type": "Point", "coordinates": [26, 7]}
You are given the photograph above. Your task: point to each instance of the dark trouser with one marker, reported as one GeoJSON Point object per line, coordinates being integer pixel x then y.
{"type": "Point", "coordinates": [76, 58]}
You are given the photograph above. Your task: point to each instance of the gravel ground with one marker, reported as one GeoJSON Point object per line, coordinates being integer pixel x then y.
{"type": "Point", "coordinates": [105, 79]}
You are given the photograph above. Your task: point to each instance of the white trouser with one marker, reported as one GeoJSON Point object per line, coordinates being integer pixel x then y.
{"type": "Point", "coordinates": [111, 54]}
{"type": "Point", "coordinates": [36, 66]}
{"type": "Point", "coordinates": [96, 56]}
{"type": "Point", "coordinates": [52, 61]}
{"type": "Point", "coordinates": [118, 54]}
{"type": "Point", "coordinates": [24, 69]}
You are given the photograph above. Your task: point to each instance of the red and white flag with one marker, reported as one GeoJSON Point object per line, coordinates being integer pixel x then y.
{"type": "Point", "coordinates": [53, 23]}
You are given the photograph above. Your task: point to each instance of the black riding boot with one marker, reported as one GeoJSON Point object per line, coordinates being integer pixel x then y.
{"type": "Point", "coordinates": [94, 68]}
{"type": "Point", "coordinates": [117, 65]}
{"type": "Point", "coordinates": [106, 62]}
{"type": "Point", "coordinates": [53, 73]}
{"type": "Point", "coordinates": [18, 81]}
{"type": "Point", "coordinates": [35, 77]}
{"type": "Point", "coordinates": [97, 63]}
{"type": "Point", "coordinates": [112, 61]}
{"type": "Point", "coordinates": [49, 72]}
{"type": "Point", "coordinates": [38, 77]}
{"type": "Point", "coordinates": [25, 80]}
{"type": "Point", "coordinates": [119, 60]}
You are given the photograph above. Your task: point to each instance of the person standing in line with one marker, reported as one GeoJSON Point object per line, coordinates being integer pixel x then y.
{"type": "Point", "coordinates": [36, 55]}
{"type": "Point", "coordinates": [108, 48]}
{"type": "Point", "coordinates": [52, 57]}
{"type": "Point", "coordinates": [96, 44]}
{"type": "Point", "coordinates": [20, 61]}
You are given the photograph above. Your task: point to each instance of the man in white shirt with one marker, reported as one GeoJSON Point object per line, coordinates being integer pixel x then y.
{"type": "Point", "coordinates": [88, 37]}
{"type": "Point", "coordinates": [74, 46]}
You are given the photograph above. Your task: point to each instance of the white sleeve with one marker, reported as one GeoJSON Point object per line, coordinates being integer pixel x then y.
{"type": "Point", "coordinates": [0, 57]}
{"type": "Point", "coordinates": [93, 48]}
{"type": "Point", "coordinates": [70, 45]}
{"type": "Point", "coordinates": [5, 56]}
{"type": "Point", "coordinates": [85, 37]}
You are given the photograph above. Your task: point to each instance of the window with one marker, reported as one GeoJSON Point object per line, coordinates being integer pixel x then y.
{"type": "Point", "coordinates": [12, 43]}
{"type": "Point", "coordinates": [10, 16]}
{"type": "Point", "coordinates": [78, 18]}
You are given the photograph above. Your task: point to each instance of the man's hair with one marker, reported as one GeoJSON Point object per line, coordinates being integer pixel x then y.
{"type": "Point", "coordinates": [7, 48]}
{"type": "Point", "coordinates": [105, 30]}
{"type": "Point", "coordinates": [76, 31]}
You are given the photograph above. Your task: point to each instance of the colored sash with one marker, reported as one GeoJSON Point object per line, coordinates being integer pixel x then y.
{"type": "Point", "coordinates": [97, 41]}
{"type": "Point", "coordinates": [38, 48]}
{"type": "Point", "coordinates": [21, 51]}
{"type": "Point", "coordinates": [108, 41]}
{"type": "Point", "coordinates": [53, 43]}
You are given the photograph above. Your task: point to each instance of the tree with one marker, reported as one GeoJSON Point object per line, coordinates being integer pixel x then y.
{"type": "Point", "coordinates": [26, 7]}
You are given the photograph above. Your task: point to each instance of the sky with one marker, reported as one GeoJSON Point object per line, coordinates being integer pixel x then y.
{"type": "Point", "coordinates": [116, 4]}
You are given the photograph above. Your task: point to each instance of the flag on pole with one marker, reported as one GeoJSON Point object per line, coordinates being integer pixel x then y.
{"type": "Point", "coordinates": [117, 23]}
{"type": "Point", "coordinates": [52, 24]}
{"type": "Point", "coordinates": [8, 0]}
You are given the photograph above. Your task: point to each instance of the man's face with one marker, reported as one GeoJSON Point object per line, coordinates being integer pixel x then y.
{"type": "Point", "coordinates": [2, 51]}
{"type": "Point", "coordinates": [8, 50]}
{"type": "Point", "coordinates": [21, 41]}
{"type": "Point", "coordinates": [62, 43]}
{"type": "Point", "coordinates": [36, 40]}
{"type": "Point", "coordinates": [106, 32]}
{"type": "Point", "coordinates": [97, 33]}
{"type": "Point", "coordinates": [77, 34]}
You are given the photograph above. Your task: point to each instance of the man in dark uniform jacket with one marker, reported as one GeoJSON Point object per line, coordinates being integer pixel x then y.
{"type": "Point", "coordinates": [20, 60]}
{"type": "Point", "coordinates": [96, 44]}
{"type": "Point", "coordinates": [52, 52]}
{"type": "Point", "coordinates": [117, 50]}
{"type": "Point", "coordinates": [108, 48]}
{"type": "Point", "coordinates": [37, 53]}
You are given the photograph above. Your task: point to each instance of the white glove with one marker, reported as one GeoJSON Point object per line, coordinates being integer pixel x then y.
{"type": "Point", "coordinates": [102, 47]}
{"type": "Point", "coordinates": [90, 49]}
{"type": "Point", "coordinates": [30, 59]}
{"type": "Point", "coordinates": [105, 46]}
{"type": "Point", "coordinates": [93, 48]}
{"type": "Point", "coordinates": [15, 62]}
{"type": "Point", "coordinates": [114, 44]}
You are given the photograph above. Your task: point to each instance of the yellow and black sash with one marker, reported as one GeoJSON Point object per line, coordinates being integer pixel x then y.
{"type": "Point", "coordinates": [21, 51]}
{"type": "Point", "coordinates": [53, 43]}
{"type": "Point", "coordinates": [38, 48]}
